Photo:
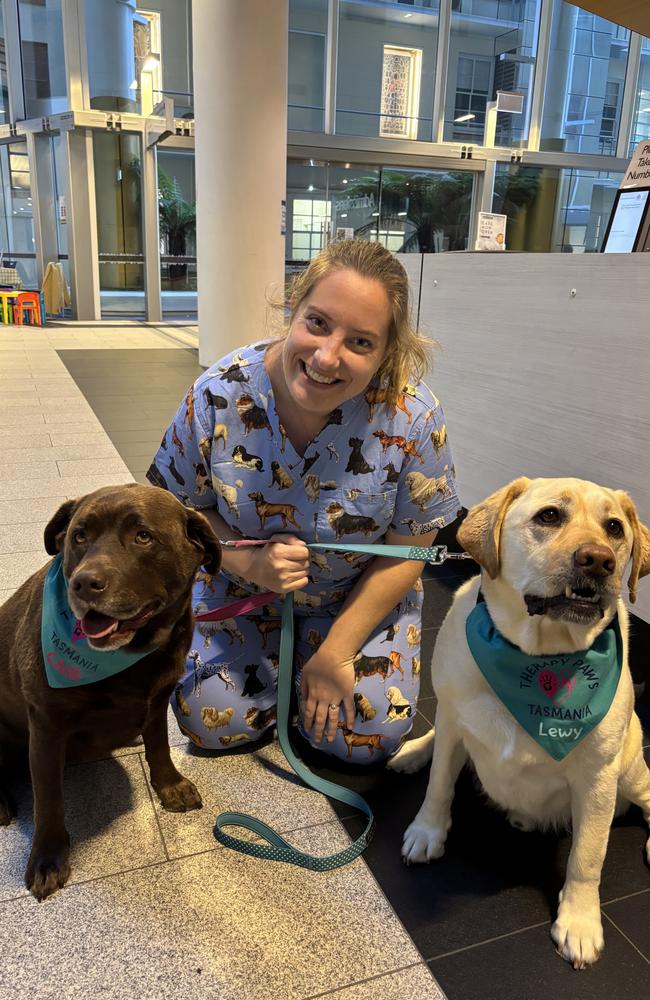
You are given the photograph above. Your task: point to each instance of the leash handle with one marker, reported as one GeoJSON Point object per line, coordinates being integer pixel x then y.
{"type": "Point", "coordinates": [276, 847]}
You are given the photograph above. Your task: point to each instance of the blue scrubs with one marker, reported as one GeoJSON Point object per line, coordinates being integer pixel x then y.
{"type": "Point", "coordinates": [371, 468]}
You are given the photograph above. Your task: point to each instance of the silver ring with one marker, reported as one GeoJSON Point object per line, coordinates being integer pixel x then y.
{"type": "Point", "coordinates": [335, 708]}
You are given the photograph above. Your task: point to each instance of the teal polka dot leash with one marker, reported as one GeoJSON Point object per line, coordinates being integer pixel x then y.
{"type": "Point", "coordinates": [273, 846]}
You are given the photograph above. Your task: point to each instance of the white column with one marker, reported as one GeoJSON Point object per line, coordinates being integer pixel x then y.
{"type": "Point", "coordinates": [82, 223]}
{"type": "Point", "coordinates": [240, 103]}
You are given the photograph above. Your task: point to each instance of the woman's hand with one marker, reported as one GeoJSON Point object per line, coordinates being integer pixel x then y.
{"type": "Point", "coordinates": [327, 681]}
{"type": "Point", "coordinates": [281, 565]}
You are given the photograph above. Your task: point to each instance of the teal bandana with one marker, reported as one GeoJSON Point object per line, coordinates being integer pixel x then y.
{"type": "Point", "coordinates": [557, 699]}
{"type": "Point", "coordinates": [69, 660]}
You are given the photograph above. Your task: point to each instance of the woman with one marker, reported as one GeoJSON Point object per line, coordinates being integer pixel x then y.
{"type": "Point", "coordinates": [327, 435]}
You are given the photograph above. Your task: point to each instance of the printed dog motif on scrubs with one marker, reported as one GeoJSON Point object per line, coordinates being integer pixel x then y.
{"type": "Point", "coordinates": [351, 484]}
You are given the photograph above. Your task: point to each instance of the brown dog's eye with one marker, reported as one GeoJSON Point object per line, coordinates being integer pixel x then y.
{"type": "Point", "coordinates": [79, 537]}
{"type": "Point", "coordinates": [550, 515]}
{"type": "Point", "coordinates": [614, 528]}
{"type": "Point", "coordinates": [143, 537]}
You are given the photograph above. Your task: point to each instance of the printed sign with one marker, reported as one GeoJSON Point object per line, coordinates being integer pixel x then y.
{"type": "Point", "coordinates": [491, 231]}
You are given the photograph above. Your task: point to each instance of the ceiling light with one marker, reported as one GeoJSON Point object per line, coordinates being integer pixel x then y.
{"type": "Point", "coordinates": [347, 166]}
{"type": "Point", "coordinates": [401, 213]}
{"type": "Point", "coordinates": [375, 213]}
{"type": "Point", "coordinates": [408, 15]}
{"type": "Point", "coordinates": [344, 215]}
{"type": "Point", "coordinates": [465, 118]}
{"type": "Point", "coordinates": [311, 187]}
{"type": "Point", "coordinates": [344, 181]}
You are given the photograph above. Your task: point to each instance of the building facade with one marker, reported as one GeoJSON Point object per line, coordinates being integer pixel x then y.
{"type": "Point", "coordinates": [388, 134]}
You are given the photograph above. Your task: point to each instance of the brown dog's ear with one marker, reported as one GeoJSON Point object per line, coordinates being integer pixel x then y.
{"type": "Point", "coordinates": [54, 534]}
{"type": "Point", "coordinates": [480, 532]}
{"type": "Point", "coordinates": [200, 534]}
{"type": "Point", "coordinates": [640, 547]}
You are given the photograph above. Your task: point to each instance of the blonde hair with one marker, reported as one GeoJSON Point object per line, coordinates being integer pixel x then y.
{"type": "Point", "coordinates": [407, 354]}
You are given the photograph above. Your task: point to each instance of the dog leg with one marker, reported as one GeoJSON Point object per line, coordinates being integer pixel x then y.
{"type": "Point", "coordinates": [578, 930]}
{"type": "Point", "coordinates": [176, 793]}
{"type": "Point", "coordinates": [414, 754]}
{"type": "Point", "coordinates": [48, 868]}
{"type": "Point", "coordinates": [425, 838]}
{"type": "Point", "coordinates": [7, 804]}
{"type": "Point", "coordinates": [634, 786]}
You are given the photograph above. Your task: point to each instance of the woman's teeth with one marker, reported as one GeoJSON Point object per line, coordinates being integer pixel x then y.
{"type": "Point", "coordinates": [316, 377]}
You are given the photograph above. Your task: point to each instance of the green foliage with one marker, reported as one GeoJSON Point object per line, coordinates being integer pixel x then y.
{"type": "Point", "coordinates": [177, 217]}
{"type": "Point", "coordinates": [433, 202]}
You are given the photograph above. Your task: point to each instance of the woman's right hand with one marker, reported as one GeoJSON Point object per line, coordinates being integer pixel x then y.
{"type": "Point", "coordinates": [281, 565]}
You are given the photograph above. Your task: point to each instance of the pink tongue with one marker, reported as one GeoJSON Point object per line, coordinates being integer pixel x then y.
{"type": "Point", "coordinates": [96, 626]}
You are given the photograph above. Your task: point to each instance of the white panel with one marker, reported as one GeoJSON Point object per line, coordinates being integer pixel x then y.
{"type": "Point", "coordinates": [536, 382]}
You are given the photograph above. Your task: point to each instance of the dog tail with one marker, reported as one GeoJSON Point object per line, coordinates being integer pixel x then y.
{"type": "Point", "coordinates": [414, 754]}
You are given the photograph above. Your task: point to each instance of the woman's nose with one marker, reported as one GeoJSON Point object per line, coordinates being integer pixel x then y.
{"type": "Point", "coordinates": [328, 353]}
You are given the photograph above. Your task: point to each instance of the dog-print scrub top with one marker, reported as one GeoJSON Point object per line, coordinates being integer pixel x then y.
{"type": "Point", "coordinates": [372, 467]}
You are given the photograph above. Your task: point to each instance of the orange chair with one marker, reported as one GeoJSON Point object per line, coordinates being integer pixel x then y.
{"type": "Point", "coordinates": [30, 303]}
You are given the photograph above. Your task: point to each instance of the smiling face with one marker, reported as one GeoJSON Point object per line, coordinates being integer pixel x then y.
{"type": "Point", "coordinates": [129, 555]}
{"type": "Point", "coordinates": [336, 342]}
{"type": "Point", "coordinates": [564, 546]}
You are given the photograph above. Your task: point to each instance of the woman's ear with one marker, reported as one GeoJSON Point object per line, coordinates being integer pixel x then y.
{"type": "Point", "coordinates": [55, 531]}
{"type": "Point", "coordinates": [200, 534]}
{"type": "Point", "coordinates": [480, 532]}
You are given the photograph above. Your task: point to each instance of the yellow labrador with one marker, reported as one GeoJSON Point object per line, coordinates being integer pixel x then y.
{"type": "Point", "coordinates": [553, 553]}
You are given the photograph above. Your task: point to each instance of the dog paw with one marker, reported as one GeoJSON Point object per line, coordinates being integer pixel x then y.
{"type": "Point", "coordinates": [578, 935]}
{"type": "Point", "coordinates": [179, 797]}
{"type": "Point", "coordinates": [422, 843]}
{"type": "Point", "coordinates": [413, 756]}
{"type": "Point", "coordinates": [48, 869]}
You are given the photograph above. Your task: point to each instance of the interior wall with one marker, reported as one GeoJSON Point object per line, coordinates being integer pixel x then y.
{"type": "Point", "coordinates": [538, 381]}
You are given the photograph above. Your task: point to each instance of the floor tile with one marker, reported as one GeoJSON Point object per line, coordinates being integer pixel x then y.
{"type": "Point", "coordinates": [109, 816]}
{"type": "Point", "coordinates": [28, 538]}
{"type": "Point", "coordinates": [216, 925]}
{"type": "Point", "coordinates": [632, 918]}
{"type": "Point", "coordinates": [36, 510]}
{"type": "Point", "coordinates": [525, 966]}
{"type": "Point", "coordinates": [90, 466]}
{"type": "Point", "coordinates": [414, 983]}
{"type": "Point", "coordinates": [16, 567]}
{"type": "Point", "coordinates": [260, 783]}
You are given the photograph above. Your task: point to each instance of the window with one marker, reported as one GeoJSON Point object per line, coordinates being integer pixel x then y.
{"type": "Point", "coordinates": [35, 70]}
{"type": "Point", "coordinates": [400, 92]}
{"type": "Point", "coordinates": [311, 219]}
{"type": "Point", "coordinates": [472, 93]}
{"type": "Point", "coordinates": [584, 87]}
{"type": "Point", "coordinates": [610, 111]}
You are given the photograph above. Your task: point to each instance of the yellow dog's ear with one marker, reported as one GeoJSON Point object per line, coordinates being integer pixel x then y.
{"type": "Point", "coordinates": [641, 544]}
{"type": "Point", "coordinates": [480, 532]}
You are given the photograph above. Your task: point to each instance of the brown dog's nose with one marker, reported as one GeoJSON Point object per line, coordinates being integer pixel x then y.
{"type": "Point", "coordinates": [88, 583]}
{"type": "Point", "coordinates": [595, 560]}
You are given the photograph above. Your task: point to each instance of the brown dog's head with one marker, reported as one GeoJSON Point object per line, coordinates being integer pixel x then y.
{"type": "Point", "coordinates": [561, 544]}
{"type": "Point", "coordinates": [130, 555]}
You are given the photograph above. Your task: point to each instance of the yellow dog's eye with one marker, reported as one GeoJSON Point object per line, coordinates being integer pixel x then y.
{"type": "Point", "coordinates": [550, 515]}
{"type": "Point", "coordinates": [79, 537]}
{"type": "Point", "coordinates": [143, 537]}
{"type": "Point", "coordinates": [614, 528]}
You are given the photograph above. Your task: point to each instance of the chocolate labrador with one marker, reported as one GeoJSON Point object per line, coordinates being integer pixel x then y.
{"type": "Point", "coordinates": [93, 666]}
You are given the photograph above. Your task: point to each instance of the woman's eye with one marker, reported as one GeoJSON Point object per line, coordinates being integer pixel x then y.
{"type": "Point", "coordinates": [143, 537]}
{"type": "Point", "coordinates": [550, 515]}
{"type": "Point", "coordinates": [614, 528]}
{"type": "Point", "coordinates": [316, 321]}
{"type": "Point", "coordinates": [79, 537]}
{"type": "Point", "coordinates": [362, 342]}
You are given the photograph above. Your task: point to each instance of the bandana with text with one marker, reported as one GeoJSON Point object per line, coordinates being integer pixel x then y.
{"type": "Point", "coordinates": [69, 660]}
{"type": "Point", "coordinates": [557, 699]}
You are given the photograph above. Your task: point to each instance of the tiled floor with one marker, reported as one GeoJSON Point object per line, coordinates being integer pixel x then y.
{"type": "Point", "coordinates": [156, 908]}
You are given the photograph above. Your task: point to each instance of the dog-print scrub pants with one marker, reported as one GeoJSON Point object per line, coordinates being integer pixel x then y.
{"type": "Point", "coordinates": [371, 468]}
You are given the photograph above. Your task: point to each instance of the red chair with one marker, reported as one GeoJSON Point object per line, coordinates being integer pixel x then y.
{"type": "Point", "coordinates": [28, 303]}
